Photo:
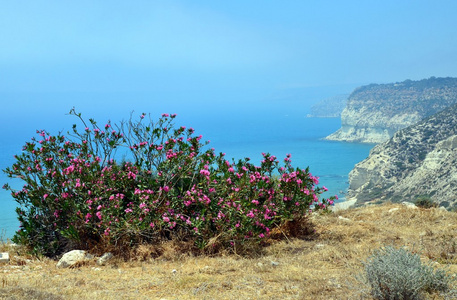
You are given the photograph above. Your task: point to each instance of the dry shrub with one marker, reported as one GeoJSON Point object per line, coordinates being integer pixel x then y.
{"type": "Point", "coordinates": [300, 227]}
{"type": "Point", "coordinates": [14, 293]}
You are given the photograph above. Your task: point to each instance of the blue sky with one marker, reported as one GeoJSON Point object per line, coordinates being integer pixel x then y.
{"type": "Point", "coordinates": [160, 45]}
{"type": "Point", "coordinates": [218, 51]}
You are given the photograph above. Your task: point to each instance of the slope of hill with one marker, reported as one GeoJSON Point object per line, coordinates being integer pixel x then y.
{"type": "Point", "coordinates": [418, 161]}
{"type": "Point", "coordinates": [375, 112]}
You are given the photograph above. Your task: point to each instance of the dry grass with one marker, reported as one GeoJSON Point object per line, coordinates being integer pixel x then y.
{"type": "Point", "coordinates": [324, 267]}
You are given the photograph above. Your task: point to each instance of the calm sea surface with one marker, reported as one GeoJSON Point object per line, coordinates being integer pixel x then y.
{"type": "Point", "coordinates": [272, 129]}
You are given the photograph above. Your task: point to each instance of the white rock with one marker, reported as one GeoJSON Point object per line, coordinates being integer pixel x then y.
{"type": "Point", "coordinates": [319, 246]}
{"type": "Point", "coordinates": [393, 209]}
{"type": "Point", "coordinates": [101, 261]}
{"type": "Point", "coordinates": [409, 205]}
{"type": "Point", "coordinates": [4, 257]}
{"type": "Point", "coordinates": [344, 219]}
{"type": "Point", "coordinates": [73, 257]}
{"type": "Point", "coordinates": [274, 263]}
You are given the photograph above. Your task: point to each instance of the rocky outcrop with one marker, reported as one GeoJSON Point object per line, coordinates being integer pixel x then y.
{"type": "Point", "coordinates": [417, 162]}
{"type": "Point", "coordinates": [375, 112]}
{"type": "Point", "coordinates": [73, 258]}
{"type": "Point", "coordinates": [78, 257]}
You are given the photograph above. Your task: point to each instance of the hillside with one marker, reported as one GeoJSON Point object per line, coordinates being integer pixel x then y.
{"type": "Point", "coordinates": [375, 112]}
{"type": "Point", "coordinates": [418, 161]}
{"type": "Point", "coordinates": [322, 266]}
{"type": "Point", "coordinates": [329, 107]}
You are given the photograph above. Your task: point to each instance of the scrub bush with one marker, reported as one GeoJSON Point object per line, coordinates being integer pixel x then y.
{"type": "Point", "coordinates": [425, 201]}
{"type": "Point", "coordinates": [397, 274]}
{"type": "Point", "coordinates": [78, 193]}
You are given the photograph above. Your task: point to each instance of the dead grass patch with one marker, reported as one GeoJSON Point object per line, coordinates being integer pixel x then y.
{"type": "Point", "coordinates": [323, 264]}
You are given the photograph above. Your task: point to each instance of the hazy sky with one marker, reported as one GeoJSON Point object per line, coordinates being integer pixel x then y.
{"type": "Point", "coordinates": [197, 45]}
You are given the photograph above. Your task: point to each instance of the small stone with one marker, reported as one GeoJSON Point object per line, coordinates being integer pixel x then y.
{"type": "Point", "coordinates": [344, 219]}
{"type": "Point", "coordinates": [274, 263]}
{"type": "Point", "coordinates": [101, 261]}
{"type": "Point", "coordinates": [319, 246]}
{"type": "Point", "coordinates": [409, 205]}
{"type": "Point", "coordinates": [393, 209]}
{"type": "Point", "coordinates": [4, 257]}
{"type": "Point", "coordinates": [174, 271]}
{"type": "Point", "coordinates": [96, 269]}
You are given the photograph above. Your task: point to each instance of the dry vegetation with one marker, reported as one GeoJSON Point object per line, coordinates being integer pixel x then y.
{"type": "Point", "coordinates": [324, 266]}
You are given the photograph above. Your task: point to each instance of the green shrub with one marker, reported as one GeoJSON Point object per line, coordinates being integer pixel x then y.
{"type": "Point", "coordinates": [77, 194]}
{"type": "Point", "coordinates": [425, 201]}
{"type": "Point", "coordinates": [397, 274]}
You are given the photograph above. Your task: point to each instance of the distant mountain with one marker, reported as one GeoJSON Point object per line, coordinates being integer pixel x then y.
{"type": "Point", "coordinates": [419, 161]}
{"type": "Point", "coordinates": [329, 107]}
{"type": "Point", "coordinates": [374, 112]}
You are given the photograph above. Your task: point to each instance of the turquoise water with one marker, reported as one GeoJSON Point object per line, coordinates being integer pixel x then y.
{"type": "Point", "coordinates": [239, 133]}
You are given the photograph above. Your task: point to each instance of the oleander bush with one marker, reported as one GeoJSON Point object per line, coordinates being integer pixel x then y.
{"type": "Point", "coordinates": [167, 184]}
{"type": "Point", "coordinates": [397, 274]}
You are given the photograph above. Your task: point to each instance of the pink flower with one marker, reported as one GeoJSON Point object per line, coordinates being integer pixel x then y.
{"type": "Point", "coordinates": [205, 172]}
{"type": "Point", "coordinates": [166, 219]}
{"type": "Point", "coordinates": [250, 214]}
{"type": "Point", "coordinates": [88, 216]}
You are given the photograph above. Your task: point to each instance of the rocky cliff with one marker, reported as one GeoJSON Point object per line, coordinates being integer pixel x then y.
{"type": "Point", "coordinates": [417, 162]}
{"type": "Point", "coordinates": [375, 112]}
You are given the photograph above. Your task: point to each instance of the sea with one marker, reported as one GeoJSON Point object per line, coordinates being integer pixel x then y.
{"type": "Point", "coordinates": [239, 128]}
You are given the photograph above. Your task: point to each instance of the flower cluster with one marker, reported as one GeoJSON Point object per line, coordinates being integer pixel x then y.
{"type": "Point", "coordinates": [76, 191]}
